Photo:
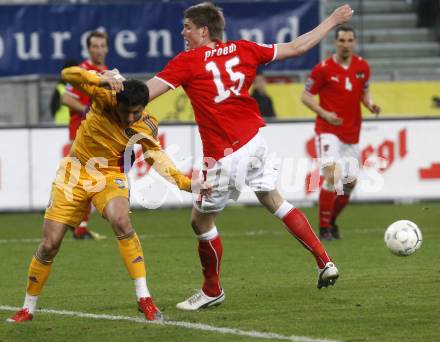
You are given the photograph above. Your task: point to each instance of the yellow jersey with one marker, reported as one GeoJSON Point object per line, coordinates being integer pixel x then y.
{"type": "Point", "coordinates": [101, 134]}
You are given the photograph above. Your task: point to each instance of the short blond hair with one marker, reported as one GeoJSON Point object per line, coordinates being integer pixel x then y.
{"type": "Point", "coordinates": [209, 15]}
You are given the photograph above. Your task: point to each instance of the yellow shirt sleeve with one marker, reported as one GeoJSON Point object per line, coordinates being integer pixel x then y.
{"type": "Point", "coordinates": [156, 157]}
{"type": "Point", "coordinates": [84, 80]}
{"type": "Point", "coordinates": [160, 161]}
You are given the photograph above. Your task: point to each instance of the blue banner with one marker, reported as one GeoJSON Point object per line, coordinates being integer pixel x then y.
{"type": "Point", "coordinates": [36, 39]}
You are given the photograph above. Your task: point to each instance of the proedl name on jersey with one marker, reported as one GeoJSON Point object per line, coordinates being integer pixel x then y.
{"type": "Point", "coordinates": [221, 51]}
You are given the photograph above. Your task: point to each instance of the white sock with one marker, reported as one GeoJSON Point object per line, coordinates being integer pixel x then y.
{"type": "Point", "coordinates": [211, 235]}
{"type": "Point", "coordinates": [283, 210]}
{"type": "Point", "coordinates": [141, 288]}
{"type": "Point", "coordinates": [30, 303]}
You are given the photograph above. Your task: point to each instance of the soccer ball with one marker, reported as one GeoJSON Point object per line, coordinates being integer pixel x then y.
{"type": "Point", "coordinates": [403, 237]}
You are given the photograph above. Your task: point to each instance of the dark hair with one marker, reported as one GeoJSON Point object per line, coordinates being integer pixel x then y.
{"type": "Point", "coordinates": [207, 14]}
{"type": "Point", "coordinates": [344, 28]}
{"type": "Point", "coordinates": [135, 93]}
{"type": "Point", "coordinates": [97, 34]}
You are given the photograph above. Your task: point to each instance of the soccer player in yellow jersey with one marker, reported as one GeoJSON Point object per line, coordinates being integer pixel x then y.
{"type": "Point", "coordinates": [94, 173]}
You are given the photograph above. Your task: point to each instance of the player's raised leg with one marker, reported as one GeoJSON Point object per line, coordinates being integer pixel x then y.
{"type": "Point", "coordinates": [210, 252]}
{"type": "Point", "coordinates": [117, 213]}
{"type": "Point", "coordinates": [297, 224]}
{"type": "Point", "coordinates": [40, 267]}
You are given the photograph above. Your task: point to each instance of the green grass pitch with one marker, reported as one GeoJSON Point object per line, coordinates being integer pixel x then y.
{"type": "Point", "coordinates": [269, 279]}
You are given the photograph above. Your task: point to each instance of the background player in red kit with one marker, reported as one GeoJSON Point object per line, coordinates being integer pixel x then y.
{"type": "Point", "coordinates": [341, 82]}
{"type": "Point", "coordinates": [78, 102]}
{"type": "Point", "coordinates": [216, 76]}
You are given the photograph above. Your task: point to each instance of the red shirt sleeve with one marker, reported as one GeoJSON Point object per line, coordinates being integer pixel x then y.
{"type": "Point", "coordinates": [72, 91]}
{"type": "Point", "coordinates": [316, 80]}
{"type": "Point", "coordinates": [262, 53]}
{"type": "Point", "coordinates": [177, 72]}
{"type": "Point", "coordinates": [78, 95]}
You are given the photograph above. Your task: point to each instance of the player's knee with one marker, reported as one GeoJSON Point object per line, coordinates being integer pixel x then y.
{"type": "Point", "coordinates": [349, 187]}
{"type": "Point", "coordinates": [200, 227]}
{"type": "Point", "coordinates": [120, 224]}
{"type": "Point", "coordinates": [194, 225]}
{"type": "Point", "coordinates": [48, 249]}
{"type": "Point", "coordinates": [330, 179]}
{"type": "Point", "coordinates": [271, 200]}
{"type": "Point", "coordinates": [329, 176]}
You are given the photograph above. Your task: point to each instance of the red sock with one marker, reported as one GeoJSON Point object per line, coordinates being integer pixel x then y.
{"type": "Point", "coordinates": [210, 253]}
{"type": "Point", "coordinates": [80, 231]}
{"type": "Point", "coordinates": [326, 205]}
{"type": "Point", "coordinates": [340, 203]}
{"type": "Point", "coordinates": [298, 225]}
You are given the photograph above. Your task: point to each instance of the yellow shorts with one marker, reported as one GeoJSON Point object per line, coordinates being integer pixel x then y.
{"type": "Point", "coordinates": [75, 187]}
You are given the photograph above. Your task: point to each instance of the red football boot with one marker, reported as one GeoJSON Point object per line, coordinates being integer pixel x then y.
{"type": "Point", "coordinates": [147, 307]}
{"type": "Point", "coordinates": [21, 316]}
{"type": "Point", "coordinates": [82, 233]}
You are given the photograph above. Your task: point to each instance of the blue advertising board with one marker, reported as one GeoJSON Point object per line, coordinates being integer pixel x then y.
{"type": "Point", "coordinates": [36, 39]}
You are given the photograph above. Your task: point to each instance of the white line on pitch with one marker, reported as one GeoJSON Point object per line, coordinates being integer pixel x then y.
{"type": "Point", "coordinates": [187, 325]}
{"type": "Point", "coordinates": [157, 236]}
{"type": "Point", "coordinates": [274, 232]}
{"type": "Point", "coordinates": [5, 241]}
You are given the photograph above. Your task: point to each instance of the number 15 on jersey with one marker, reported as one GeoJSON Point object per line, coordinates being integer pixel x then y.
{"type": "Point", "coordinates": [235, 76]}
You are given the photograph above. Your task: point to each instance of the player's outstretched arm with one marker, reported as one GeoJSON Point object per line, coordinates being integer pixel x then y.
{"type": "Point", "coordinates": [81, 79]}
{"type": "Point", "coordinates": [164, 166]}
{"type": "Point", "coordinates": [305, 42]}
{"type": "Point", "coordinates": [72, 103]}
{"type": "Point", "coordinates": [309, 101]}
{"type": "Point", "coordinates": [156, 88]}
{"type": "Point", "coordinates": [87, 81]}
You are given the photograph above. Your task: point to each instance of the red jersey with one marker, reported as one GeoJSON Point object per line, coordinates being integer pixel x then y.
{"type": "Point", "coordinates": [340, 91]}
{"type": "Point", "coordinates": [76, 117]}
{"type": "Point", "coordinates": [217, 82]}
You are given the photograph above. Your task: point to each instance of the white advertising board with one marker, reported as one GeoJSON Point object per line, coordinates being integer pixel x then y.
{"type": "Point", "coordinates": [410, 166]}
{"type": "Point", "coordinates": [15, 185]}
{"type": "Point", "coordinates": [46, 152]}
{"type": "Point", "coordinates": [412, 155]}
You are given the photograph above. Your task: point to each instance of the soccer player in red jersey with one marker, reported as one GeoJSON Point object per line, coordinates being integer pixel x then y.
{"type": "Point", "coordinates": [78, 102]}
{"type": "Point", "coordinates": [216, 76]}
{"type": "Point", "coordinates": [341, 82]}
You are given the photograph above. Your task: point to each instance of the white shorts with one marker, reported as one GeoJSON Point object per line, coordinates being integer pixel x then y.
{"type": "Point", "coordinates": [331, 150]}
{"type": "Point", "coordinates": [249, 165]}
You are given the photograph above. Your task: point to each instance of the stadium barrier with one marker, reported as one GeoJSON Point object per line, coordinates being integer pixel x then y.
{"type": "Point", "coordinates": [396, 98]}
{"type": "Point", "coordinates": [26, 100]}
{"type": "Point", "coordinates": [399, 157]}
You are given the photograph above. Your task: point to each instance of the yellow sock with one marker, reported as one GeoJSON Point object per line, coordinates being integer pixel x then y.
{"type": "Point", "coordinates": [38, 273]}
{"type": "Point", "coordinates": [132, 254]}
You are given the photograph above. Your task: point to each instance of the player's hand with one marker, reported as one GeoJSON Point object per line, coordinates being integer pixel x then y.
{"type": "Point", "coordinates": [114, 72]}
{"type": "Point", "coordinates": [374, 108]}
{"type": "Point", "coordinates": [332, 118]}
{"type": "Point", "coordinates": [113, 80]}
{"type": "Point", "coordinates": [342, 14]}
